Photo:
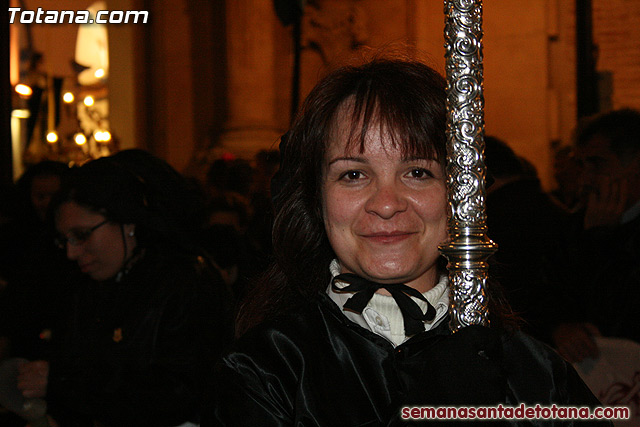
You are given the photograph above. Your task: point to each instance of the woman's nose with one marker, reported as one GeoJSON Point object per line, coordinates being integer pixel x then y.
{"type": "Point", "coordinates": [386, 200]}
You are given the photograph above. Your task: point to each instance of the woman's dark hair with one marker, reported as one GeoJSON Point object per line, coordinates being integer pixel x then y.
{"type": "Point", "coordinates": [135, 187]}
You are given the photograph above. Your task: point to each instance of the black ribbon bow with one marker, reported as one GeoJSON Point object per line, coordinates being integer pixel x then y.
{"type": "Point", "coordinates": [363, 292]}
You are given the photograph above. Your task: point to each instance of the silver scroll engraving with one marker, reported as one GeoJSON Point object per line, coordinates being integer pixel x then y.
{"type": "Point", "coordinates": [468, 248]}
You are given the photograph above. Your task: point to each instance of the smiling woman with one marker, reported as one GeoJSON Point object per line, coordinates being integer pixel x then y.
{"type": "Point", "coordinates": [350, 324]}
{"type": "Point", "coordinates": [382, 211]}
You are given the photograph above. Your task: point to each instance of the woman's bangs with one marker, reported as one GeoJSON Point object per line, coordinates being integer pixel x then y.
{"type": "Point", "coordinates": [394, 117]}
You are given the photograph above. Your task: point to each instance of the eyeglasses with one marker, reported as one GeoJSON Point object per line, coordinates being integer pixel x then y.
{"type": "Point", "coordinates": [77, 237]}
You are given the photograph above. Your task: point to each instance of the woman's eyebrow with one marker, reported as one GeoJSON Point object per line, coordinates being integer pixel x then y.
{"type": "Point", "coordinates": [348, 159]}
{"type": "Point", "coordinates": [415, 158]}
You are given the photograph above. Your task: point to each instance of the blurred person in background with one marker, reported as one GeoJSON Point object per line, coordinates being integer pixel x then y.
{"type": "Point", "coordinates": [148, 311]}
{"type": "Point", "coordinates": [31, 265]}
{"type": "Point", "coordinates": [603, 264]}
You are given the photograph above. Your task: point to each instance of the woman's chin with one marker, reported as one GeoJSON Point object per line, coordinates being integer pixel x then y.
{"type": "Point", "coordinates": [386, 272]}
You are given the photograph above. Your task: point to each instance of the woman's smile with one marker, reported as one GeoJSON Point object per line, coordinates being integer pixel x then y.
{"type": "Point", "coordinates": [388, 237]}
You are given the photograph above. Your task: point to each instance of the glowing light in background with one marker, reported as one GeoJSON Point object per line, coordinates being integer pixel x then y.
{"type": "Point", "coordinates": [102, 136]}
{"type": "Point", "coordinates": [24, 90]}
{"type": "Point", "coordinates": [20, 113]}
{"type": "Point", "coordinates": [80, 139]}
{"type": "Point", "coordinates": [52, 137]}
{"type": "Point", "coordinates": [88, 100]}
{"type": "Point", "coordinates": [68, 97]}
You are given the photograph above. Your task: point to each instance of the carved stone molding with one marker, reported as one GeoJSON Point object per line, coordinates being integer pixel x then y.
{"type": "Point", "coordinates": [333, 28]}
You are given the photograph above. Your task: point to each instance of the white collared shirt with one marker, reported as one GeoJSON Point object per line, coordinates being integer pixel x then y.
{"type": "Point", "coordinates": [383, 316]}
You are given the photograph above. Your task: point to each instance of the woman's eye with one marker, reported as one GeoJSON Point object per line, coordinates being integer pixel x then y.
{"type": "Point", "coordinates": [80, 236]}
{"type": "Point", "coordinates": [420, 173]}
{"type": "Point", "coordinates": [352, 175]}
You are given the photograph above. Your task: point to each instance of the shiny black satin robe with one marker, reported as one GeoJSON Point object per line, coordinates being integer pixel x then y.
{"type": "Point", "coordinates": [317, 368]}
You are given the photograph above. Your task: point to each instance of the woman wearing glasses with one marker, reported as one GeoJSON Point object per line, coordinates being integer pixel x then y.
{"type": "Point", "coordinates": [148, 309]}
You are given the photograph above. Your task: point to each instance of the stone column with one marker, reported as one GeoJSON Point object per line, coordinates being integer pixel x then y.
{"type": "Point", "coordinates": [251, 123]}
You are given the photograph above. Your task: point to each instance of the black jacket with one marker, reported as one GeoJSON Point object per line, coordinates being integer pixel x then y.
{"type": "Point", "coordinates": [136, 351]}
{"type": "Point", "coordinates": [317, 368]}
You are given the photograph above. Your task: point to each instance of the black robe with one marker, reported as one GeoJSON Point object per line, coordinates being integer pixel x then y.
{"type": "Point", "coordinates": [136, 351]}
{"type": "Point", "coordinates": [317, 368]}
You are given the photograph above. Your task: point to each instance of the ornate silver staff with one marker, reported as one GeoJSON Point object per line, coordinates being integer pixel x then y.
{"type": "Point", "coordinates": [468, 247]}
